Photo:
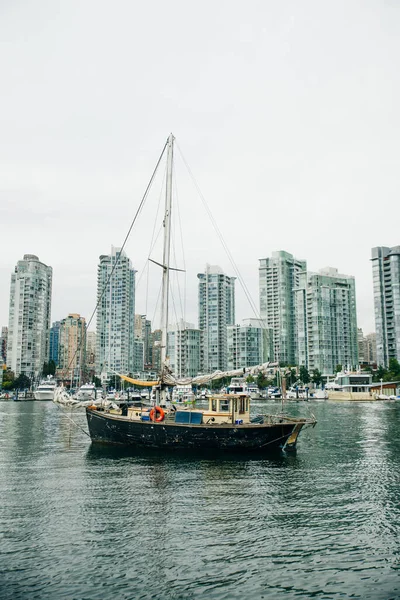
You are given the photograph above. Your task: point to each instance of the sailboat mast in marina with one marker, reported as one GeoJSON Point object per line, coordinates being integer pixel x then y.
{"type": "Point", "coordinates": [225, 425]}
{"type": "Point", "coordinates": [166, 259]}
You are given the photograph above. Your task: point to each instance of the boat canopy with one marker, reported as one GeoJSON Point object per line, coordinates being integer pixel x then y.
{"type": "Point", "coordinates": [138, 381]}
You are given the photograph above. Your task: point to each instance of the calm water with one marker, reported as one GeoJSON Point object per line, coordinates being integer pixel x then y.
{"type": "Point", "coordinates": [79, 522]}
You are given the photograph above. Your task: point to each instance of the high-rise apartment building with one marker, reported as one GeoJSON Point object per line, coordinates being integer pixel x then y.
{"type": "Point", "coordinates": [249, 344]}
{"type": "Point", "coordinates": [386, 282]}
{"type": "Point", "coordinates": [29, 317]}
{"type": "Point", "coordinates": [143, 333]}
{"type": "Point", "coordinates": [370, 349]}
{"type": "Point", "coordinates": [155, 346]}
{"type": "Point", "coordinates": [72, 349]}
{"type": "Point", "coordinates": [3, 345]}
{"type": "Point", "coordinates": [278, 277]}
{"type": "Point", "coordinates": [184, 349]}
{"type": "Point", "coordinates": [90, 353]}
{"type": "Point", "coordinates": [216, 312]}
{"type": "Point", "coordinates": [326, 321]}
{"type": "Point", "coordinates": [54, 341]}
{"type": "Point", "coordinates": [115, 314]}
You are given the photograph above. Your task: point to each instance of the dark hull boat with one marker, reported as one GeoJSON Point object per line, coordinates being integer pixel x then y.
{"type": "Point", "coordinates": [226, 425]}
{"type": "Point", "coordinates": [107, 428]}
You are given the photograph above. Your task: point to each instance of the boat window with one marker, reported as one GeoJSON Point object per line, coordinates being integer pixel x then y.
{"type": "Point", "coordinates": [213, 404]}
{"type": "Point", "coordinates": [224, 405]}
{"type": "Point", "coordinates": [242, 404]}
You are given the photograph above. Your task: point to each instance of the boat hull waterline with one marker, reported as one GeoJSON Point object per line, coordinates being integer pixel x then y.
{"type": "Point", "coordinates": [105, 428]}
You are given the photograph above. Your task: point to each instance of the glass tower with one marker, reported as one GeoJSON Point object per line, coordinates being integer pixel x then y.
{"type": "Point", "coordinates": [54, 341]}
{"type": "Point", "coordinates": [386, 282]}
{"type": "Point", "coordinates": [278, 277]}
{"type": "Point", "coordinates": [184, 349]}
{"type": "Point", "coordinates": [216, 312]}
{"type": "Point", "coordinates": [29, 317]}
{"type": "Point", "coordinates": [115, 314]}
{"type": "Point", "coordinates": [326, 321]}
{"type": "Point", "coordinates": [249, 344]}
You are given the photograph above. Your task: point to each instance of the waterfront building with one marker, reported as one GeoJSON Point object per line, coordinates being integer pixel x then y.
{"type": "Point", "coordinates": [370, 349]}
{"type": "Point", "coordinates": [366, 348]}
{"type": "Point", "coordinates": [386, 287]}
{"type": "Point", "coordinates": [361, 346]}
{"type": "Point", "coordinates": [3, 345]}
{"type": "Point", "coordinates": [249, 344]}
{"type": "Point", "coordinates": [72, 349]}
{"type": "Point", "coordinates": [155, 347]}
{"type": "Point", "coordinates": [143, 333]}
{"type": "Point", "coordinates": [29, 317]}
{"type": "Point", "coordinates": [138, 356]}
{"type": "Point", "coordinates": [216, 312]}
{"type": "Point", "coordinates": [278, 277]}
{"type": "Point", "coordinates": [326, 321]}
{"type": "Point", "coordinates": [115, 314]}
{"type": "Point", "coordinates": [90, 354]}
{"type": "Point", "coordinates": [54, 342]}
{"type": "Point", "coordinates": [184, 349]}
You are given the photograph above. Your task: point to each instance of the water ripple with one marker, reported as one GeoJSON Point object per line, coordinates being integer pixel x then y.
{"type": "Point", "coordinates": [78, 521]}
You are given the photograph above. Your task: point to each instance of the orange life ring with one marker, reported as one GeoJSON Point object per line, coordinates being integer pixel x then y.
{"type": "Point", "coordinates": [161, 414]}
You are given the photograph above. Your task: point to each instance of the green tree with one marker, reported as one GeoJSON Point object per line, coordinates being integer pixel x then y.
{"type": "Point", "coordinates": [250, 379]}
{"type": "Point", "coordinates": [380, 373]}
{"type": "Point", "coordinates": [51, 367]}
{"type": "Point", "coordinates": [8, 377]}
{"type": "Point", "coordinates": [291, 377]}
{"type": "Point", "coordinates": [317, 377]}
{"type": "Point", "coordinates": [97, 382]}
{"type": "Point", "coordinates": [263, 382]}
{"type": "Point", "coordinates": [22, 382]}
{"type": "Point", "coordinates": [304, 375]}
{"type": "Point", "coordinates": [339, 369]}
{"type": "Point", "coordinates": [394, 369]}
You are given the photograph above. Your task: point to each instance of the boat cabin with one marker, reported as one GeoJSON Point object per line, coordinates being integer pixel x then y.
{"type": "Point", "coordinates": [228, 408]}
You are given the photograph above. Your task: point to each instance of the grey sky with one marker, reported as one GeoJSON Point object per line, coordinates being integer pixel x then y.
{"type": "Point", "coordinates": [287, 112]}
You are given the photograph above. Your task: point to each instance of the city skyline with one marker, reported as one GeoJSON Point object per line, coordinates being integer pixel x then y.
{"type": "Point", "coordinates": [310, 319]}
{"type": "Point", "coordinates": [291, 136]}
{"type": "Point", "coordinates": [194, 298]}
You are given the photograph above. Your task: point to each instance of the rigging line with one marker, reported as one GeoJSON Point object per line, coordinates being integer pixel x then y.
{"type": "Point", "coordinates": [156, 305]}
{"type": "Point", "coordinates": [123, 246]}
{"type": "Point", "coordinates": [131, 226]}
{"type": "Point", "coordinates": [175, 311]}
{"type": "Point", "coordinates": [154, 237]}
{"type": "Point", "coordinates": [72, 421]}
{"type": "Point", "coordinates": [147, 259]}
{"type": "Point", "coordinates": [235, 268]}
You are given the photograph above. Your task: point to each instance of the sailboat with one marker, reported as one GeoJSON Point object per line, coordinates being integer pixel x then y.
{"type": "Point", "coordinates": [225, 425]}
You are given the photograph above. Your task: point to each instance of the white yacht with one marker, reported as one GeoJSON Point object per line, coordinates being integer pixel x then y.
{"type": "Point", "coordinates": [237, 385]}
{"type": "Point", "coordinates": [183, 393]}
{"type": "Point", "coordinates": [87, 391]}
{"type": "Point", "coordinates": [45, 390]}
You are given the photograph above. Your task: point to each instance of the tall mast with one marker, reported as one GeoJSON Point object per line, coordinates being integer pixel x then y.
{"type": "Point", "coordinates": [166, 253]}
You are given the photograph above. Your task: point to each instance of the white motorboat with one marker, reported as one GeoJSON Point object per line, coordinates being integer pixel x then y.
{"type": "Point", "coordinates": [87, 391]}
{"type": "Point", "coordinates": [183, 393]}
{"type": "Point", "coordinates": [45, 390]}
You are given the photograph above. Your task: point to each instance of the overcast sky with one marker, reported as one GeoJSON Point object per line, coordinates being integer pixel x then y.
{"type": "Point", "coordinates": [287, 113]}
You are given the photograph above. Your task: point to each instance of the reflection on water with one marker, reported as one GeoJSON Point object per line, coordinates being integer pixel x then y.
{"type": "Point", "coordinates": [83, 521]}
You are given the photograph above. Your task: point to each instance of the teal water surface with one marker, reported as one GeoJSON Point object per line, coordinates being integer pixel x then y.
{"type": "Point", "coordinates": [82, 522]}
